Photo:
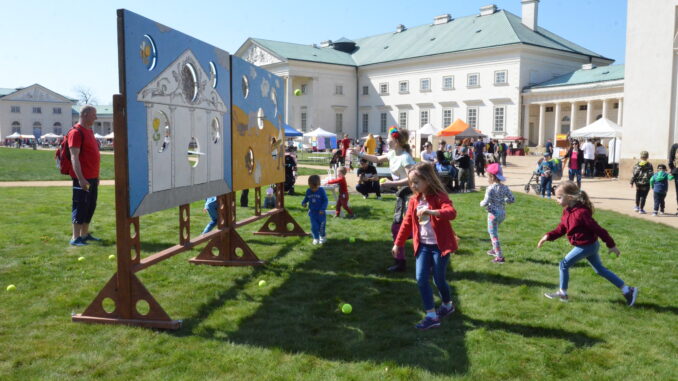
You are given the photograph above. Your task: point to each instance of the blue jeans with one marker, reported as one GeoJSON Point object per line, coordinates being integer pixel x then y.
{"type": "Point", "coordinates": [212, 211]}
{"type": "Point", "coordinates": [590, 252]}
{"type": "Point", "coordinates": [575, 173]}
{"type": "Point", "coordinates": [546, 185]}
{"type": "Point", "coordinates": [429, 257]}
{"type": "Point", "coordinates": [317, 223]}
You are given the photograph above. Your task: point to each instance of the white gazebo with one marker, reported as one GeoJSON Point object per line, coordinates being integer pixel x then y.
{"type": "Point", "coordinates": [604, 129]}
{"type": "Point", "coordinates": [319, 133]}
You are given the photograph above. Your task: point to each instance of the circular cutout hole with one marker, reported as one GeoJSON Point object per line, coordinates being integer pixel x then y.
{"type": "Point", "coordinates": [213, 75]}
{"type": "Point", "coordinates": [290, 226]}
{"type": "Point", "coordinates": [239, 252]}
{"type": "Point", "coordinates": [193, 152]}
{"type": "Point", "coordinates": [215, 251]}
{"type": "Point", "coordinates": [260, 118]}
{"type": "Point", "coordinates": [149, 55]}
{"type": "Point", "coordinates": [143, 308]}
{"type": "Point", "coordinates": [274, 99]}
{"type": "Point", "coordinates": [271, 226]}
{"type": "Point", "coordinates": [245, 87]}
{"type": "Point", "coordinates": [189, 82]}
{"type": "Point", "coordinates": [108, 305]}
{"type": "Point", "coordinates": [249, 161]}
{"type": "Point", "coordinates": [132, 231]}
{"type": "Point", "coordinates": [216, 130]}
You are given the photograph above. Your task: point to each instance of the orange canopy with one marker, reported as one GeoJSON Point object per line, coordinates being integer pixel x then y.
{"type": "Point", "coordinates": [454, 129]}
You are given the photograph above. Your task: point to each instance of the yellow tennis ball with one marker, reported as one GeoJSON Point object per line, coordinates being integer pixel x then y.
{"type": "Point", "coordinates": [297, 92]}
{"type": "Point", "coordinates": [262, 283]}
{"type": "Point", "coordinates": [383, 180]}
{"type": "Point", "coordinates": [346, 308]}
{"type": "Point", "coordinates": [11, 287]}
{"type": "Point", "coordinates": [111, 257]}
{"type": "Point", "coordinates": [81, 259]}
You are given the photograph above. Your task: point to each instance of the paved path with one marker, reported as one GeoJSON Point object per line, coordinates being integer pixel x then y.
{"type": "Point", "coordinates": [610, 194]}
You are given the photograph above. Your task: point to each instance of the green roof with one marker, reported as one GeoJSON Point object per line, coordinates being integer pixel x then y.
{"type": "Point", "coordinates": [101, 110]}
{"type": "Point", "coordinates": [462, 34]}
{"type": "Point", "coordinates": [4, 91]}
{"type": "Point", "coordinates": [584, 76]}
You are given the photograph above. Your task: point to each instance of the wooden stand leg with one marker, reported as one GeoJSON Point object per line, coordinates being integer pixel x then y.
{"type": "Point", "coordinates": [227, 249]}
{"type": "Point", "coordinates": [283, 225]}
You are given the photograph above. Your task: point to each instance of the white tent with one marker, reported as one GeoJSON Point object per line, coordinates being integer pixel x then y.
{"type": "Point", "coordinates": [13, 136]}
{"type": "Point", "coordinates": [51, 136]}
{"type": "Point", "coordinates": [319, 132]}
{"type": "Point", "coordinates": [97, 136]}
{"type": "Point", "coordinates": [601, 128]}
{"type": "Point", "coordinates": [109, 136]}
{"type": "Point", "coordinates": [428, 129]}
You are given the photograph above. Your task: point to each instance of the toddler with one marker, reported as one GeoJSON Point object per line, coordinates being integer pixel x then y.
{"type": "Point", "coordinates": [496, 195]}
{"type": "Point", "coordinates": [316, 199]}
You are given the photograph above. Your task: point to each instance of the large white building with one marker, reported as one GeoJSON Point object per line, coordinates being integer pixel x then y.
{"type": "Point", "coordinates": [473, 68]}
{"type": "Point", "coordinates": [34, 110]}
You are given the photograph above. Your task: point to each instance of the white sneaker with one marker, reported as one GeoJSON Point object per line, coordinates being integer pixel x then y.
{"type": "Point", "coordinates": [636, 209]}
{"type": "Point", "coordinates": [365, 197]}
{"type": "Point", "coordinates": [322, 240]}
{"type": "Point", "coordinates": [379, 198]}
{"type": "Point", "coordinates": [315, 241]}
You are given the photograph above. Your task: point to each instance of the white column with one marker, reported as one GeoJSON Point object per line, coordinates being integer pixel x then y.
{"type": "Point", "coordinates": [556, 124]}
{"type": "Point", "coordinates": [620, 113]}
{"type": "Point", "coordinates": [288, 98]}
{"type": "Point", "coordinates": [315, 95]}
{"type": "Point", "coordinates": [573, 115]}
{"type": "Point", "coordinates": [605, 108]}
{"type": "Point", "coordinates": [542, 140]}
{"type": "Point", "coordinates": [526, 122]}
{"type": "Point", "coordinates": [589, 112]}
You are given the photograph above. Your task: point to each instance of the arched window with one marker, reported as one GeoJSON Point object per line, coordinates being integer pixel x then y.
{"type": "Point", "coordinates": [565, 125]}
{"type": "Point", "coordinates": [37, 129]}
{"type": "Point", "coordinates": [56, 128]}
{"type": "Point", "coordinates": [16, 127]}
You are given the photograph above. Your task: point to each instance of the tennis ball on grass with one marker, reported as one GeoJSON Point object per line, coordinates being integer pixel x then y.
{"type": "Point", "coordinates": [11, 287]}
{"type": "Point", "coordinates": [111, 257]}
{"type": "Point", "coordinates": [297, 92]}
{"type": "Point", "coordinates": [351, 240]}
{"type": "Point", "coordinates": [81, 259]}
{"type": "Point", "coordinates": [262, 283]}
{"type": "Point", "coordinates": [346, 308]}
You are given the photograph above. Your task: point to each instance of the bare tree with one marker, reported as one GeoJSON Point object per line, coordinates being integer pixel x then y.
{"type": "Point", "coordinates": [85, 95]}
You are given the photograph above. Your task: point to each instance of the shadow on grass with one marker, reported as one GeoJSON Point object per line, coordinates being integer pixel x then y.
{"type": "Point", "coordinates": [497, 279]}
{"type": "Point", "coordinates": [303, 315]}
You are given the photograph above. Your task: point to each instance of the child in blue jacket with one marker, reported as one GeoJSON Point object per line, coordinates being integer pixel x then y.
{"type": "Point", "coordinates": [316, 198]}
{"type": "Point", "coordinates": [660, 186]}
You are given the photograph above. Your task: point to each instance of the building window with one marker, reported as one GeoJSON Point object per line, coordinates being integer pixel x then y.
{"type": "Point", "coordinates": [339, 122]}
{"type": "Point", "coordinates": [37, 110]}
{"type": "Point", "coordinates": [448, 82]}
{"type": "Point", "coordinates": [565, 125]}
{"type": "Point", "coordinates": [16, 127]}
{"type": "Point", "coordinates": [16, 109]}
{"type": "Point", "coordinates": [473, 80]}
{"type": "Point", "coordinates": [616, 105]}
{"type": "Point", "coordinates": [425, 84]}
{"type": "Point", "coordinates": [499, 118]}
{"type": "Point", "coordinates": [582, 107]}
{"type": "Point", "coordinates": [303, 121]}
{"type": "Point", "coordinates": [404, 87]}
{"type": "Point", "coordinates": [402, 119]}
{"type": "Point", "coordinates": [339, 90]}
{"type": "Point", "coordinates": [304, 88]}
{"type": "Point", "coordinates": [500, 77]}
{"type": "Point", "coordinates": [472, 117]}
{"type": "Point", "coordinates": [423, 118]}
{"type": "Point", "coordinates": [549, 109]}
{"type": "Point", "coordinates": [56, 110]}
{"type": "Point", "coordinates": [383, 88]}
{"type": "Point", "coordinates": [382, 122]}
{"type": "Point", "coordinates": [366, 90]}
{"type": "Point", "coordinates": [447, 117]}
{"type": "Point", "coordinates": [56, 128]}
{"type": "Point", "coordinates": [366, 123]}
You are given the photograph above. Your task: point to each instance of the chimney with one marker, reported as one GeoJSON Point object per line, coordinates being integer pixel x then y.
{"type": "Point", "coordinates": [442, 19]}
{"type": "Point", "coordinates": [488, 10]}
{"type": "Point", "coordinates": [326, 44]}
{"type": "Point", "coordinates": [530, 11]}
{"type": "Point", "coordinates": [400, 28]}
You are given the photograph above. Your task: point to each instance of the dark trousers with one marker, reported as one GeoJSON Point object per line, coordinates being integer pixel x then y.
{"type": "Point", "coordinates": [244, 197]}
{"type": "Point", "coordinates": [641, 195]}
{"type": "Point", "coordinates": [546, 183]}
{"type": "Point", "coordinates": [369, 187]}
{"type": "Point", "coordinates": [84, 201]}
{"type": "Point", "coordinates": [480, 164]}
{"type": "Point", "coordinates": [588, 167]}
{"type": "Point", "coordinates": [659, 201]}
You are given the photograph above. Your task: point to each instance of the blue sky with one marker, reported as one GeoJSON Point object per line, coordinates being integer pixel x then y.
{"type": "Point", "coordinates": [63, 45]}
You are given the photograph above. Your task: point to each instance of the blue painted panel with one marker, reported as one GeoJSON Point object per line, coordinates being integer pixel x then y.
{"type": "Point", "coordinates": [257, 78]}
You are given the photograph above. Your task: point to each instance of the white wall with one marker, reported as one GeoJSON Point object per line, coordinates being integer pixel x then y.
{"type": "Point", "coordinates": [27, 118]}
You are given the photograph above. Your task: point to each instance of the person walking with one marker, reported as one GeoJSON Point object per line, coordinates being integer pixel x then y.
{"type": "Point", "coordinates": [642, 173]}
{"type": "Point", "coordinates": [85, 160]}
{"type": "Point", "coordinates": [575, 159]}
{"type": "Point", "coordinates": [589, 157]}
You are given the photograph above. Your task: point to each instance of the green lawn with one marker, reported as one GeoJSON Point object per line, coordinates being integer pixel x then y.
{"type": "Point", "coordinates": [293, 329]}
{"type": "Point", "coordinates": [30, 165]}
{"type": "Point", "coordinates": [302, 171]}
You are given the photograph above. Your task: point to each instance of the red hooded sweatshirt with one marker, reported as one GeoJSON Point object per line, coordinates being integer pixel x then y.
{"type": "Point", "coordinates": [441, 224]}
{"type": "Point", "coordinates": [581, 229]}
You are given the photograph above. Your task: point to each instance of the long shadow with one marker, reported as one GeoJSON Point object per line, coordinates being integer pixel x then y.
{"type": "Point", "coordinates": [303, 314]}
{"type": "Point", "coordinates": [498, 279]}
{"type": "Point", "coordinates": [655, 307]}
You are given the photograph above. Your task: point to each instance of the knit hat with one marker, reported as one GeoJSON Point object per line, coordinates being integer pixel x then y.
{"type": "Point", "coordinates": [644, 155]}
{"type": "Point", "coordinates": [495, 169]}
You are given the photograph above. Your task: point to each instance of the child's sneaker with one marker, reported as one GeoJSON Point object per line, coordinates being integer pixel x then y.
{"type": "Point", "coordinates": [322, 240]}
{"type": "Point", "coordinates": [636, 209]}
{"type": "Point", "coordinates": [90, 237]}
{"type": "Point", "coordinates": [78, 242]}
{"type": "Point", "coordinates": [556, 295]}
{"type": "Point", "coordinates": [379, 198]}
{"type": "Point", "coordinates": [498, 259]}
{"type": "Point", "coordinates": [428, 323]}
{"type": "Point", "coordinates": [315, 241]}
{"type": "Point", "coordinates": [642, 211]}
{"type": "Point", "coordinates": [491, 252]}
{"type": "Point", "coordinates": [443, 311]}
{"type": "Point", "coordinates": [654, 214]}
{"type": "Point", "coordinates": [631, 296]}
{"type": "Point", "coordinates": [365, 197]}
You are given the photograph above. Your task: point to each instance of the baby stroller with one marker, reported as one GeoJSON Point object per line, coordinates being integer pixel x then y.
{"type": "Point", "coordinates": [535, 180]}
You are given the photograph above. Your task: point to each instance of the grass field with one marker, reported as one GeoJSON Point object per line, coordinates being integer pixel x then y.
{"type": "Point", "coordinates": [292, 328]}
{"type": "Point", "coordinates": [30, 165]}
